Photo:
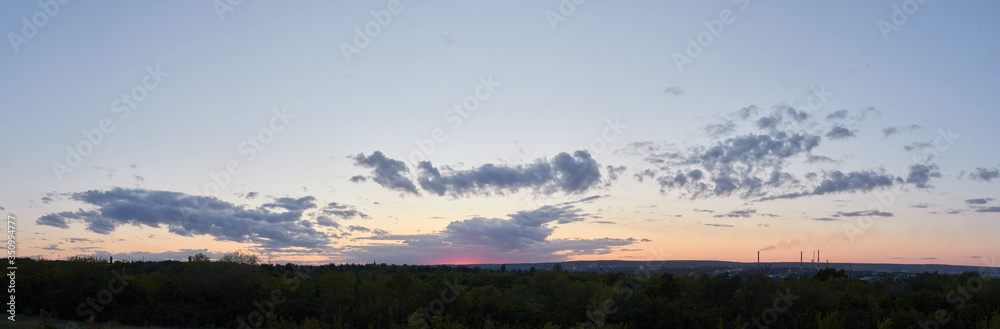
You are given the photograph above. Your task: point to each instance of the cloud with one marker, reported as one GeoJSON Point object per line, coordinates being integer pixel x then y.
{"type": "Point", "coordinates": [356, 228]}
{"type": "Point", "coordinates": [719, 129]}
{"type": "Point", "coordinates": [747, 213]}
{"type": "Point", "coordinates": [889, 131]}
{"type": "Point", "coordinates": [673, 90]}
{"type": "Point", "coordinates": [53, 248]}
{"type": "Point", "coordinates": [984, 174]}
{"type": "Point", "coordinates": [746, 112]}
{"type": "Point", "coordinates": [979, 201]}
{"type": "Point", "coordinates": [920, 175]}
{"type": "Point", "coordinates": [252, 195]}
{"type": "Point", "coordinates": [864, 213]}
{"type": "Point", "coordinates": [988, 209]}
{"type": "Point", "coordinates": [826, 219]}
{"type": "Point", "coordinates": [387, 172]}
{"type": "Point", "coordinates": [744, 164]}
{"type": "Point", "coordinates": [920, 205]}
{"type": "Point", "coordinates": [839, 182]}
{"type": "Point", "coordinates": [358, 179]}
{"type": "Point", "coordinates": [521, 236]}
{"type": "Point", "coordinates": [819, 159]}
{"type": "Point", "coordinates": [917, 146]}
{"type": "Point", "coordinates": [838, 115]}
{"type": "Point", "coordinates": [292, 204]}
{"type": "Point", "coordinates": [839, 132]}
{"type": "Point", "coordinates": [645, 173]}
{"type": "Point", "coordinates": [570, 174]}
{"type": "Point", "coordinates": [343, 211]}
{"type": "Point", "coordinates": [719, 225]}
{"type": "Point", "coordinates": [613, 172]}
{"type": "Point", "coordinates": [189, 215]}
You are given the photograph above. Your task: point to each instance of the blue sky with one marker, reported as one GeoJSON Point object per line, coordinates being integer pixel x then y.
{"type": "Point", "coordinates": [585, 139]}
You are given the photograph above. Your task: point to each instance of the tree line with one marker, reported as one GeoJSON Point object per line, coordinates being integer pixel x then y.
{"type": "Point", "coordinates": [239, 292]}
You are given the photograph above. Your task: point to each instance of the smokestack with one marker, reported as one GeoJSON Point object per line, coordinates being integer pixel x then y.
{"type": "Point", "coordinates": [758, 258]}
{"type": "Point", "coordinates": [817, 258]}
{"type": "Point", "coordinates": [800, 259]}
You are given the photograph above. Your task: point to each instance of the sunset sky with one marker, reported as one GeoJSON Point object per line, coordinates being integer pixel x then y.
{"type": "Point", "coordinates": [425, 132]}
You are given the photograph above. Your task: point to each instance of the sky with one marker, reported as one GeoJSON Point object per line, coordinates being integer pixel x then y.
{"type": "Point", "coordinates": [452, 132]}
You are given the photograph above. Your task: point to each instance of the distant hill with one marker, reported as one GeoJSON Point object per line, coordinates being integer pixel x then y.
{"type": "Point", "coordinates": [693, 265]}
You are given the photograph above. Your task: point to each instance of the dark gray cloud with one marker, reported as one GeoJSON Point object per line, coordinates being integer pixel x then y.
{"type": "Point", "coordinates": [521, 236]}
{"type": "Point", "coordinates": [252, 195]}
{"type": "Point", "coordinates": [837, 115]}
{"type": "Point", "coordinates": [189, 215]}
{"type": "Point", "coordinates": [979, 201]}
{"type": "Point", "coordinates": [984, 174]}
{"type": "Point", "coordinates": [854, 181]}
{"type": "Point", "coordinates": [988, 209]}
{"type": "Point", "coordinates": [648, 173]}
{"type": "Point", "coordinates": [746, 165]}
{"type": "Point", "coordinates": [746, 112]}
{"type": "Point", "coordinates": [570, 174]}
{"type": "Point", "coordinates": [889, 131]}
{"type": "Point", "coordinates": [293, 204]}
{"type": "Point", "coordinates": [917, 146]}
{"type": "Point", "coordinates": [839, 132]}
{"type": "Point", "coordinates": [53, 247]}
{"type": "Point", "coordinates": [864, 213]}
{"type": "Point", "coordinates": [764, 165]}
{"type": "Point", "coordinates": [826, 219]}
{"type": "Point", "coordinates": [819, 159]}
{"type": "Point", "coordinates": [920, 175]}
{"type": "Point", "coordinates": [719, 225]}
{"type": "Point", "coordinates": [356, 228]}
{"type": "Point", "coordinates": [358, 179]}
{"type": "Point", "coordinates": [387, 172]}
{"type": "Point", "coordinates": [673, 90]}
{"type": "Point", "coordinates": [745, 213]}
{"type": "Point", "coordinates": [839, 182]}
{"type": "Point", "coordinates": [613, 172]}
{"type": "Point", "coordinates": [920, 205]}
{"type": "Point", "coordinates": [343, 211]}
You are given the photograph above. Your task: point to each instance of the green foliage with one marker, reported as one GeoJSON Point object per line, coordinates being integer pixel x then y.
{"type": "Point", "coordinates": [48, 321]}
{"type": "Point", "coordinates": [199, 257]}
{"type": "Point", "coordinates": [201, 294]}
{"type": "Point", "coordinates": [240, 257]}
